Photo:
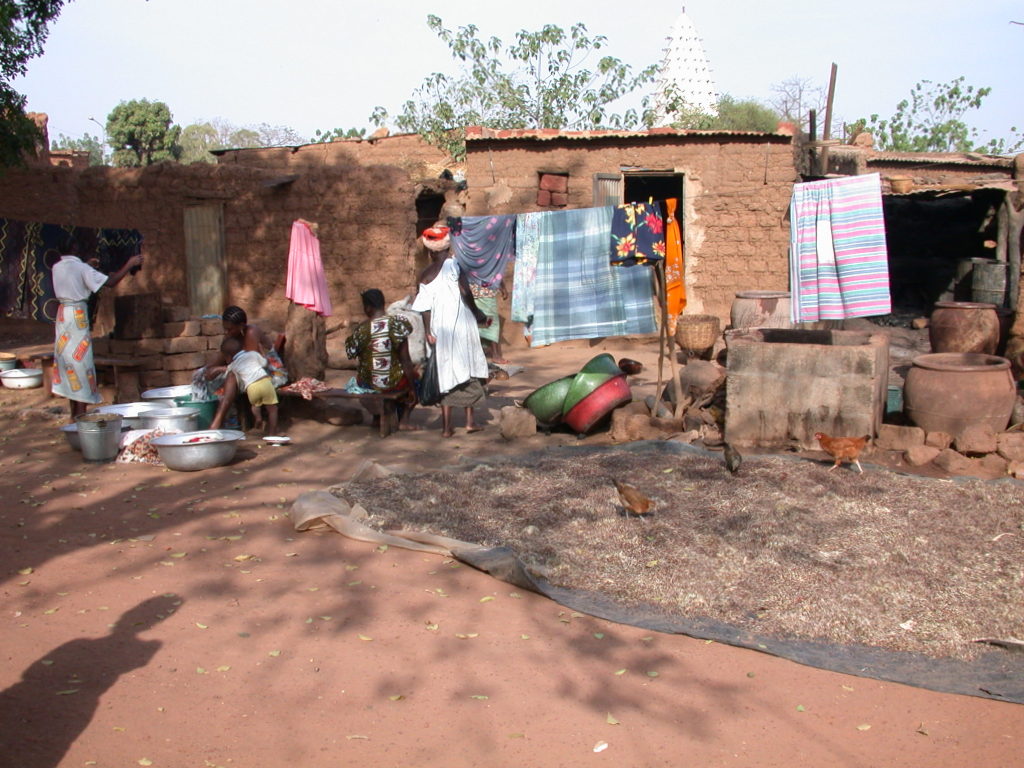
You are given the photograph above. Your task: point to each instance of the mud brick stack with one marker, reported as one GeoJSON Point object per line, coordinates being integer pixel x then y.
{"type": "Point", "coordinates": [168, 352]}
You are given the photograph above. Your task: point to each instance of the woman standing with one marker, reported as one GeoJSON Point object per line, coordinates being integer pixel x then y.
{"type": "Point", "coordinates": [74, 281]}
{"type": "Point", "coordinates": [451, 321]}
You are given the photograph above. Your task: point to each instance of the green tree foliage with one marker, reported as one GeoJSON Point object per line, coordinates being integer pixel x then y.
{"type": "Point", "coordinates": [932, 120]}
{"type": "Point", "coordinates": [198, 140]}
{"type": "Point", "coordinates": [337, 134]}
{"type": "Point", "coordinates": [91, 144]}
{"type": "Point", "coordinates": [545, 79]}
{"type": "Point", "coordinates": [733, 115]}
{"type": "Point", "coordinates": [24, 25]}
{"type": "Point", "coordinates": [141, 133]}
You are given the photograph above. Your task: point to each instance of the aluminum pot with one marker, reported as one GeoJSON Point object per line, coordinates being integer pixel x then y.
{"type": "Point", "coordinates": [193, 451]}
{"type": "Point", "coordinates": [131, 413]}
{"type": "Point", "coordinates": [164, 396]}
{"type": "Point", "coordinates": [172, 419]}
{"type": "Point", "coordinates": [99, 435]}
{"type": "Point", "coordinates": [22, 378]}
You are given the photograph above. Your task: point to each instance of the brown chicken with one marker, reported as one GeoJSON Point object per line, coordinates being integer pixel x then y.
{"type": "Point", "coordinates": [842, 448]}
{"type": "Point", "coordinates": [634, 502]}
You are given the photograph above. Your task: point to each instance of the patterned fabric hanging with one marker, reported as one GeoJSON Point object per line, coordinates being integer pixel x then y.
{"type": "Point", "coordinates": [638, 234]}
{"type": "Point", "coordinates": [675, 288]}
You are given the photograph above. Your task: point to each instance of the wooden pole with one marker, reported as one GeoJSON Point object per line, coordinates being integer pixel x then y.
{"type": "Point", "coordinates": [826, 129]}
{"type": "Point", "coordinates": [659, 280]}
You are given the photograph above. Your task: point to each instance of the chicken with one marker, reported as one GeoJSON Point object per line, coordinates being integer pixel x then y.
{"type": "Point", "coordinates": [842, 448]}
{"type": "Point", "coordinates": [733, 459]}
{"type": "Point", "coordinates": [633, 502]}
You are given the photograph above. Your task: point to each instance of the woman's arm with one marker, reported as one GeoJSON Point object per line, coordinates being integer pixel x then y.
{"type": "Point", "coordinates": [431, 339]}
{"type": "Point", "coordinates": [117, 277]}
{"type": "Point", "coordinates": [252, 342]}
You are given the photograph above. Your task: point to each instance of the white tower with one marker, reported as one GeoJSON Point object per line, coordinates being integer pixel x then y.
{"type": "Point", "coordinates": [685, 70]}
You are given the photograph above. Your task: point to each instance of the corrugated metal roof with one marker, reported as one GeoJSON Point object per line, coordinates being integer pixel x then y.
{"type": "Point", "coordinates": [940, 158]}
{"type": "Point", "coordinates": [478, 133]}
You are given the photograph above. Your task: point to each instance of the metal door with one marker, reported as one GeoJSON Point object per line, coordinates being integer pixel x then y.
{"type": "Point", "coordinates": [204, 257]}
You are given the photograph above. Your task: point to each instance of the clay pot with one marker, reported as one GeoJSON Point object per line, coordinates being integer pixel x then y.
{"type": "Point", "coordinates": [761, 309]}
{"type": "Point", "coordinates": [964, 326]}
{"type": "Point", "coordinates": [949, 392]}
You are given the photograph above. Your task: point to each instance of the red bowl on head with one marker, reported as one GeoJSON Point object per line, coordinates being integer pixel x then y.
{"type": "Point", "coordinates": [598, 404]}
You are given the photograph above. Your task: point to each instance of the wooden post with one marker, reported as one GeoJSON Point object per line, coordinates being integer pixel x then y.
{"type": "Point", "coordinates": [826, 130]}
{"type": "Point", "coordinates": [660, 284]}
{"type": "Point", "coordinates": [305, 351]}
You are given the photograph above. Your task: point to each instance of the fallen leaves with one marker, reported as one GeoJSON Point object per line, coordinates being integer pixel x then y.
{"type": "Point", "coordinates": [612, 720]}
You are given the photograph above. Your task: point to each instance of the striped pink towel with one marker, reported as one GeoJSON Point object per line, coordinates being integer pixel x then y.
{"type": "Point", "coordinates": [307, 284]}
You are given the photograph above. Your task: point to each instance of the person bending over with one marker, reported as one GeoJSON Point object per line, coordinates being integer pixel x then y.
{"type": "Point", "coordinates": [249, 370]}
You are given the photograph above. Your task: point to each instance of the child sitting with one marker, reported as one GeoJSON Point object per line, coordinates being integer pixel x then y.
{"type": "Point", "coordinates": [249, 368]}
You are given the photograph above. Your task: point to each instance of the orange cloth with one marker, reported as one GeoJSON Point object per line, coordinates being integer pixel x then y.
{"type": "Point", "coordinates": [675, 289]}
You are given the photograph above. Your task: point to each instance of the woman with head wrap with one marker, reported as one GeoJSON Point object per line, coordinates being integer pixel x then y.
{"type": "Point", "coordinates": [451, 320]}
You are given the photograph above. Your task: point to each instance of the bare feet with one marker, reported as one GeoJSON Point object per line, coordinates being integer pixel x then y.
{"type": "Point", "coordinates": [447, 433]}
{"type": "Point", "coordinates": [471, 430]}
{"type": "Point", "coordinates": [410, 428]}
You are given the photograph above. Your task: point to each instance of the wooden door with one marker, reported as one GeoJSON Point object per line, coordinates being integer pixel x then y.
{"type": "Point", "coordinates": [204, 257]}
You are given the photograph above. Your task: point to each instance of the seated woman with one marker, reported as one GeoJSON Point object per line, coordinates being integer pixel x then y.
{"type": "Point", "coordinates": [381, 344]}
{"type": "Point", "coordinates": [236, 325]}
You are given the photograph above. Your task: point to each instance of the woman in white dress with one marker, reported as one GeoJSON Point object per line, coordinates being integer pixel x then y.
{"type": "Point", "coordinates": [451, 321]}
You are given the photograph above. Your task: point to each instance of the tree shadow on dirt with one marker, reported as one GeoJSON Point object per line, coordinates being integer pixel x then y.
{"type": "Point", "coordinates": [59, 693]}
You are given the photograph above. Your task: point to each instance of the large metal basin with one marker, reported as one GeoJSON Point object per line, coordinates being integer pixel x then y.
{"type": "Point", "coordinates": [172, 419]}
{"type": "Point", "coordinates": [164, 396]}
{"type": "Point", "coordinates": [132, 414]}
{"type": "Point", "coordinates": [192, 451]}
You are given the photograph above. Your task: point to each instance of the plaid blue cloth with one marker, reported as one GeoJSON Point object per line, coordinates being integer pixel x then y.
{"type": "Point", "coordinates": [577, 294]}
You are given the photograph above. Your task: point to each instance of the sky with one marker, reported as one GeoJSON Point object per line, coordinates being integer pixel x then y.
{"type": "Point", "coordinates": [321, 64]}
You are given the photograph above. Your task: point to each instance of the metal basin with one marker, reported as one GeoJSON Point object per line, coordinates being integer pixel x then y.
{"type": "Point", "coordinates": [132, 414]}
{"type": "Point", "coordinates": [172, 419]}
{"type": "Point", "coordinates": [192, 451]}
{"type": "Point", "coordinates": [22, 378]}
{"type": "Point", "coordinates": [164, 396]}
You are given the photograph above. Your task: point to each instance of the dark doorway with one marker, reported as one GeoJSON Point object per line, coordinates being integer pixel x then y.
{"type": "Point", "coordinates": [928, 235]}
{"type": "Point", "coordinates": [641, 186]}
{"type": "Point", "coordinates": [428, 209]}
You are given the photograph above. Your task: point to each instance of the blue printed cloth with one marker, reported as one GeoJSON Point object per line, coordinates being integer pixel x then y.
{"type": "Point", "coordinates": [638, 234]}
{"type": "Point", "coordinates": [483, 246]}
{"type": "Point", "coordinates": [524, 279]}
{"type": "Point", "coordinates": [577, 293]}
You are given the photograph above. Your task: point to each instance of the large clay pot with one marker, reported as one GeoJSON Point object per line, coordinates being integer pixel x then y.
{"type": "Point", "coordinates": [949, 392]}
{"type": "Point", "coordinates": [761, 309]}
{"type": "Point", "coordinates": [964, 326]}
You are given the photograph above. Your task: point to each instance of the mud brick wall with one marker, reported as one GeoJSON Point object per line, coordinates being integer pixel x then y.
{"type": "Point", "coordinates": [367, 218]}
{"type": "Point", "coordinates": [735, 214]}
{"type": "Point", "coordinates": [170, 354]}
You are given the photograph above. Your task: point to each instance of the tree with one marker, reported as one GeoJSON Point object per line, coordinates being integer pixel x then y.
{"type": "Point", "coordinates": [931, 120]}
{"type": "Point", "coordinates": [794, 99]}
{"type": "Point", "coordinates": [142, 133]}
{"type": "Point", "coordinates": [24, 25]}
{"type": "Point", "coordinates": [733, 115]}
{"type": "Point", "coordinates": [198, 140]}
{"type": "Point", "coordinates": [540, 81]}
{"type": "Point", "coordinates": [91, 144]}
{"type": "Point", "coordinates": [337, 134]}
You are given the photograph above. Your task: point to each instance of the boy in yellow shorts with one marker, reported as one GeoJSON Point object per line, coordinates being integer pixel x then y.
{"type": "Point", "coordinates": [250, 368]}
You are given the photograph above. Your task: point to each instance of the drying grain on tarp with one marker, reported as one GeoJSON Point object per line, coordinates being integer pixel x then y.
{"type": "Point", "coordinates": [783, 548]}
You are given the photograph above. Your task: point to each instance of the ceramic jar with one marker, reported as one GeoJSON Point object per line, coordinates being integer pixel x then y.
{"type": "Point", "coordinates": [948, 392]}
{"type": "Point", "coordinates": [761, 309]}
{"type": "Point", "coordinates": [964, 326]}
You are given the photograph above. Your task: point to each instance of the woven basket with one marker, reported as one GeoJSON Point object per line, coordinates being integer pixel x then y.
{"type": "Point", "coordinates": [696, 333]}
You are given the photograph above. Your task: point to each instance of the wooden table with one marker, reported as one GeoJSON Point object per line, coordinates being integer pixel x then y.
{"type": "Point", "coordinates": [385, 404]}
{"type": "Point", "coordinates": [126, 373]}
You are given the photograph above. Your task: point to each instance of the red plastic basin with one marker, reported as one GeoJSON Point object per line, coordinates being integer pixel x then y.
{"type": "Point", "coordinates": [598, 404]}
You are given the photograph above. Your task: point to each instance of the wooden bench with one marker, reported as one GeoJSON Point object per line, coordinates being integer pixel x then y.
{"type": "Point", "coordinates": [125, 373]}
{"type": "Point", "coordinates": [383, 404]}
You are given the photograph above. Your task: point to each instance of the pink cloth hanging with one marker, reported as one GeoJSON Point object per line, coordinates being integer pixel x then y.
{"type": "Point", "coordinates": [307, 283]}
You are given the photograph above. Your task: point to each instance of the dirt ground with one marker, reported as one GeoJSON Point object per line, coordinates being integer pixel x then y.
{"type": "Point", "coordinates": [176, 619]}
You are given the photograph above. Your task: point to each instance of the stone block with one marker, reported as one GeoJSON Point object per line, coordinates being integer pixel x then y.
{"type": "Point", "coordinates": [975, 440]}
{"type": "Point", "coordinates": [940, 440]}
{"type": "Point", "coordinates": [894, 438]}
{"type": "Point", "coordinates": [994, 465]}
{"type": "Point", "coordinates": [154, 379]}
{"type": "Point", "coordinates": [150, 362]}
{"type": "Point", "coordinates": [919, 455]}
{"type": "Point", "coordinates": [517, 422]}
{"type": "Point", "coordinates": [184, 328]}
{"type": "Point", "coordinates": [180, 377]}
{"type": "Point", "coordinates": [543, 197]}
{"type": "Point", "coordinates": [137, 316]}
{"type": "Point", "coordinates": [187, 361]}
{"type": "Point", "coordinates": [627, 427]}
{"type": "Point", "coordinates": [559, 199]}
{"type": "Point", "coordinates": [180, 344]}
{"type": "Point", "coordinates": [211, 326]}
{"type": "Point", "coordinates": [953, 462]}
{"type": "Point", "coordinates": [122, 347]}
{"type": "Point", "coordinates": [1016, 469]}
{"type": "Point", "coordinates": [101, 345]}
{"type": "Point", "coordinates": [1010, 446]}
{"type": "Point", "coordinates": [214, 342]}
{"type": "Point", "coordinates": [175, 313]}
{"type": "Point", "coordinates": [554, 182]}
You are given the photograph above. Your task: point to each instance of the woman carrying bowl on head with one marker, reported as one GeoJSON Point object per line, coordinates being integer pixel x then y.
{"type": "Point", "coordinates": [253, 339]}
